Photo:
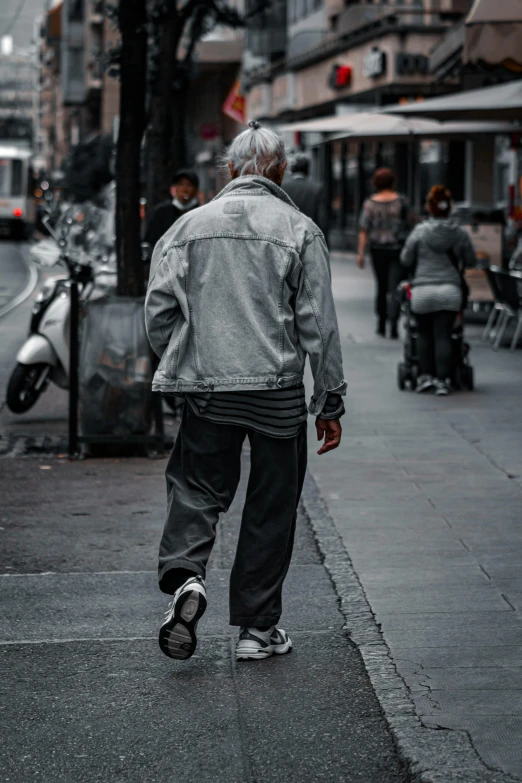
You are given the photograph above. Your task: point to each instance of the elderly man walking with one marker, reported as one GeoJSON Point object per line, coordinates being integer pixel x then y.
{"type": "Point", "coordinates": [239, 295]}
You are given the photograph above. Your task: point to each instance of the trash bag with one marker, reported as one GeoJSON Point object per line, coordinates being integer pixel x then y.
{"type": "Point", "coordinates": [115, 372]}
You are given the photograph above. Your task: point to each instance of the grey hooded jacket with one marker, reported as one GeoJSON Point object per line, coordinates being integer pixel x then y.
{"type": "Point", "coordinates": [240, 293]}
{"type": "Point", "coordinates": [426, 250]}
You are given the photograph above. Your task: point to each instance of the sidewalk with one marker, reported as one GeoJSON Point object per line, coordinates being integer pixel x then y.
{"type": "Point", "coordinates": [86, 693]}
{"type": "Point", "coordinates": [426, 495]}
{"type": "Point", "coordinates": [417, 519]}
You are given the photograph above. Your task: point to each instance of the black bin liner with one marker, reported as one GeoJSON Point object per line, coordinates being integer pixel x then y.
{"type": "Point", "coordinates": [115, 369]}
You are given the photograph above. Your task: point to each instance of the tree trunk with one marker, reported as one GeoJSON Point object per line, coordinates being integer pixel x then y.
{"type": "Point", "coordinates": [133, 70]}
{"type": "Point", "coordinates": [178, 108]}
{"type": "Point", "coordinates": [161, 165]}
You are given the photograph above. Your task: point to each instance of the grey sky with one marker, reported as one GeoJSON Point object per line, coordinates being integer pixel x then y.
{"type": "Point", "coordinates": [23, 12]}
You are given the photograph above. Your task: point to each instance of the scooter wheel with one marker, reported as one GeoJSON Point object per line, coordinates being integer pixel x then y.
{"type": "Point", "coordinates": [21, 389]}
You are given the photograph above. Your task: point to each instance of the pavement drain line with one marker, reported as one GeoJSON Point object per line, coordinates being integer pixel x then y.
{"type": "Point", "coordinates": [431, 755]}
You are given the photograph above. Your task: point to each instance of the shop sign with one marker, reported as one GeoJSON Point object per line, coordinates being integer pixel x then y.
{"type": "Point", "coordinates": [340, 76]}
{"type": "Point", "coordinates": [411, 64]}
{"type": "Point", "coordinates": [374, 64]}
{"type": "Point", "coordinates": [235, 105]}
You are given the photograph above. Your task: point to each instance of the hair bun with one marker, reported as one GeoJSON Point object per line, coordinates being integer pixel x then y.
{"type": "Point", "coordinates": [254, 124]}
{"type": "Point", "coordinates": [439, 192]}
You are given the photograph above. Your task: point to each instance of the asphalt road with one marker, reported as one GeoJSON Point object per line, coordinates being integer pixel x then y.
{"type": "Point", "coordinates": [13, 270]}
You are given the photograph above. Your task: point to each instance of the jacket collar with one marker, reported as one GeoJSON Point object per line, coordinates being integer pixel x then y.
{"type": "Point", "coordinates": [254, 184]}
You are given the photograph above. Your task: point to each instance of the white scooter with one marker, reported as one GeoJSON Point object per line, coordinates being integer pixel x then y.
{"type": "Point", "coordinates": [44, 357]}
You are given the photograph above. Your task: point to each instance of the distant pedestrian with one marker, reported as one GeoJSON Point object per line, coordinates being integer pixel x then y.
{"type": "Point", "coordinates": [436, 252]}
{"type": "Point", "coordinates": [307, 195]}
{"type": "Point", "coordinates": [184, 191]}
{"type": "Point", "coordinates": [239, 294]}
{"type": "Point", "coordinates": [386, 220]}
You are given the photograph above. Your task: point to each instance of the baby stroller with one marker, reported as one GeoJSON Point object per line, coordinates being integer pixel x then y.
{"type": "Point", "coordinates": [408, 369]}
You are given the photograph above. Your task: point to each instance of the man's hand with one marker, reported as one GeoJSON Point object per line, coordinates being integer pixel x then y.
{"type": "Point", "coordinates": [330, 430]}
{"type": "Point", "coordinates": [360, 260]}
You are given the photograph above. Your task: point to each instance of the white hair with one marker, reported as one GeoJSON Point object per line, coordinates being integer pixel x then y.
{"type": "Point", "coordinates": [256, 151]}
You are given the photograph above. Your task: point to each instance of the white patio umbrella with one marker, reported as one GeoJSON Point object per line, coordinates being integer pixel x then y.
{"type": "Point", "coordinates": [365, 124]}
{"type": "Point", "coordinates": [378, 126]}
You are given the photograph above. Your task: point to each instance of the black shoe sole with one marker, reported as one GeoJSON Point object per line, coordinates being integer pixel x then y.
{"type": "Point", "coordinates": [177, 637]}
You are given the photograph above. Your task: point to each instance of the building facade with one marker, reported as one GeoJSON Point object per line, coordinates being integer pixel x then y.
{"type": "Point", "coordinates": [78, 97]}
{"type": "Point", "coordinates": [331, 56]}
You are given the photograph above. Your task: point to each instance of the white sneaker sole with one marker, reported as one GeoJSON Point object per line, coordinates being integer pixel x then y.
{"type": "Point", "coordinates": [259, 654]}
{"type": "Point", "coordinates": [177, 636]}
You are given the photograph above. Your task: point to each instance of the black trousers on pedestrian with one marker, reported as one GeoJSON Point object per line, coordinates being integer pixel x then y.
{"type": "Point", "coordinates": [202, 477]}
{"type": "Point", "coordinates": [434, 343]}
{"type": "Point", "coordinates": [388, 272]}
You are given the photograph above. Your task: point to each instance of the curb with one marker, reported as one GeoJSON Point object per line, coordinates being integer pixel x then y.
{"type": "Point", "coordinates": [430, 755]}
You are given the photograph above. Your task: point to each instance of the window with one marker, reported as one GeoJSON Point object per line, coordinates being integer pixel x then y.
{"type": "Point", "coordinates": [4, 177]}
{"type": "Point", "coordinates": [16, 178]}
{"type": "Point", "coordinates": [76, 64]}
{"type": "Point", "coordinates": [76, 10]}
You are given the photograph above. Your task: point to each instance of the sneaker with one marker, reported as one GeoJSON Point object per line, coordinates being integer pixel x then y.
{"type": "Point", "coordinates": [425, 383]}
{"type": "Point", "coordinates": [255, 645]}
{"type": "Point", "coordinates": [442, 388]}
{"type": "Point", "coordinates": [177, 636]}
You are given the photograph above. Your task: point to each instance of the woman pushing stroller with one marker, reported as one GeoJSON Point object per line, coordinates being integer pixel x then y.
{"type": "Point", "coordinates": [436, 253]}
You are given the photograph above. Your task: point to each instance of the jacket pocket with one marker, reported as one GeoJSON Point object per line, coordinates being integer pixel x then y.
{"type": "Point", "coordinates": [170, 359]}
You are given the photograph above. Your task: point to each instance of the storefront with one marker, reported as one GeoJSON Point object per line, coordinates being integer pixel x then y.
{"type": "Point", "coordinates": [423, 153]}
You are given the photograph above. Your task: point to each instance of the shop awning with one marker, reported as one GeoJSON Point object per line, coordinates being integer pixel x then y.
{"type": "Point", "coordinates": [503, 101]}
{"type": "Point", "coordinates": [369, 123]}
{"type": "Point", "coordinates": [493, 34]}
{"type": "Point", "coordinates": [378, 126]}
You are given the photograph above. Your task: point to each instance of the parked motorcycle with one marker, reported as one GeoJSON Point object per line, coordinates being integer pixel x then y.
{"type": "Point", "coordinates": [44, 357]}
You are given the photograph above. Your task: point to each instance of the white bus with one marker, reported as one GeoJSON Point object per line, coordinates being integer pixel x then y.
{"type": "Point", "coordinates": [17, 207]}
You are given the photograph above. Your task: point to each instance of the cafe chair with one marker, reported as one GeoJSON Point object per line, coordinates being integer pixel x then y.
{"type": "Point", "coordinates": [498, 308]}
{"type": "Point", "coordinates": [507, 288]}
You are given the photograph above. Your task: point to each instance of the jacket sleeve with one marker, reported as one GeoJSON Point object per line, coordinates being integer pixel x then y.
{"type": "Point", "coordinates": [161, 305]}
{"type": "Point", "coordinates": [316, 322]}
{"type": "Point", "coordinates": [409, 251]}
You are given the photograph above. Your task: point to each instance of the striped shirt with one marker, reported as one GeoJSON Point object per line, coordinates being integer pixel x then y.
{"type": "Point", "coordinates": [276, 412]}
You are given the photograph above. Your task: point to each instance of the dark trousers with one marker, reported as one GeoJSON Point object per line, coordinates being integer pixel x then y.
{"type": "Point", "coordinates": [388, 272]}
{"type": "Point", "coordinates": [434, 343]}
{"type": "Point", "coordinates": [202, 477]}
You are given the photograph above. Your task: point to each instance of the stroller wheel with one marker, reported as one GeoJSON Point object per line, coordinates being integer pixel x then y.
{"type": "Point", "coordinates": [401, 376]}
{"type": "Point", "coordinates": [414, 375]}
{"type": "Point", "coordinates": [458, 378]}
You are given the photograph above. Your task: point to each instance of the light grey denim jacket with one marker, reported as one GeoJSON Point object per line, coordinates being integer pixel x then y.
{"type": "Point", "coordinates": [239, 293]}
